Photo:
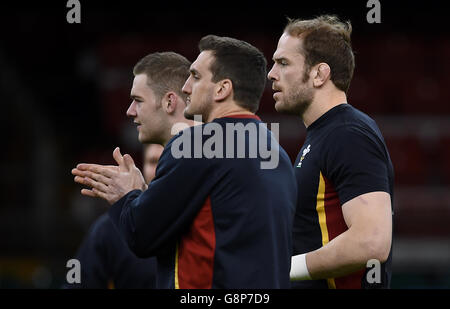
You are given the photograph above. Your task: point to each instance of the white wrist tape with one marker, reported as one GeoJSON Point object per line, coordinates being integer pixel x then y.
{"type": "Point", "coordinates": [299, 270]}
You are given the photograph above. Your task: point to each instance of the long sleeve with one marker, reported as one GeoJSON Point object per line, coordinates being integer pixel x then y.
{"type": "Point", "coordinates": [150, 220]}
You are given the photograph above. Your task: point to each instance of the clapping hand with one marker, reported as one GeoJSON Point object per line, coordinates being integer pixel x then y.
{"type": "Point", "coordinates": [110, 182]}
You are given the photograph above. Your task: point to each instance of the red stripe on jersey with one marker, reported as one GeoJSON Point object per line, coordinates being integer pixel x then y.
{"type": "Point", "coordinates": [335, 220]}
{"type": "Point", "coordinates": [336, 225]}
{"type": "Point", "coordinates": [196, 252]}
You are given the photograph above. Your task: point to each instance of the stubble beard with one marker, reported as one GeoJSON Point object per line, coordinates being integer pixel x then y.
{"type": "Point", "coordinates": [203, 109]}
{"type": "Point", "coordinates": [149, 139]}
{"type": "Point", "coordinates": [296, 103]}
{"type": "Point", "coordinates": [154, 134]}
{"type": "Point", "coordinates": [188, 115]}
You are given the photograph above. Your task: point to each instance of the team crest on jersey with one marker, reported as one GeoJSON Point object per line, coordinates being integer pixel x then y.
{"type": "Point", "coordinates": [305, 152]}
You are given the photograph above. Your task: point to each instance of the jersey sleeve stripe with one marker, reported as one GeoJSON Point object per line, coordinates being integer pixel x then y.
{"type": "Point", "coordinates": [320, 207]}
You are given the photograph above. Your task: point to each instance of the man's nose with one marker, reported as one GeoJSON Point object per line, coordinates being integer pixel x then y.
{"type": "Point", "coordinates": [187, 87]}
{"type": "Point", "coordinates": [272, 74]}
{"type": "Point", "coordinates": [131, 111]}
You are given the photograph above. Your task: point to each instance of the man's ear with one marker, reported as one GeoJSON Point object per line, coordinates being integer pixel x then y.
{"type": "Point", "coordinates": [223, 90]}
{"type": "Point", "coordinates": [169, 102]}
{"type": "Point", "coordinates": [321, 73]}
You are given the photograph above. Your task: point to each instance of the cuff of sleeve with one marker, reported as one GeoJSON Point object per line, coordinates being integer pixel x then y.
{"type": "Point", "coordinates": [115, 210]}
{"type": "Point", "coordinates": [299, 269]}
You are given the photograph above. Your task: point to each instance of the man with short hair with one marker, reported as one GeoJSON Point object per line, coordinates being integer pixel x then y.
{"type": "Point", "coordinates": [344, 173]}
{"type": "Point", "coordinates": [213, 218]}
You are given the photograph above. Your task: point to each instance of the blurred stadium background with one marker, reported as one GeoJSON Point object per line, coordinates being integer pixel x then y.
{"type": "Point", "coordinates": [64, 90]}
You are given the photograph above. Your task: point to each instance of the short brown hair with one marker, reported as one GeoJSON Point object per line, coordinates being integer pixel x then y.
{"type": "Point", "coordinates": [240, 62]}
{"type": "Point", "coordinates": [326, 39]}
{"type": "Point", "coordinates": [166, 71]}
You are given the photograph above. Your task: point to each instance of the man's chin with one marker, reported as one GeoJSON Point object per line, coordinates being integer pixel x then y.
{"type": "Point", "coordinates": [280, 107]}
{"type": "Point", "coordinates": [188, 115]}
{"type": "Point", "coordinates": [297, 109]}
{"type": "Point", "coordinates": [142, 139]}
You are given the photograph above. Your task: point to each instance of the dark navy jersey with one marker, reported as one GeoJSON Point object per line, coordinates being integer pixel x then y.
{"type": "Point", "coordinates": [107, 262]}
{"type": "Point", "coordinates": [215, 222]}
{"type": "Point", "coordinates": [344, 155]}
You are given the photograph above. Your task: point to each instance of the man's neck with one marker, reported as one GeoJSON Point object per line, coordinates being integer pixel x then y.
{"type": "Point", "coordinates": [228, 110]}
{"type": "Point", "coordinates": [178, 125]}
{"type": "Point", "coordinates": [321, 104]}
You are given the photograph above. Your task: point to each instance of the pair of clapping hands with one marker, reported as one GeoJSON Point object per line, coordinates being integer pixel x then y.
{"type": "Point", "coordinates": [110, 182]}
